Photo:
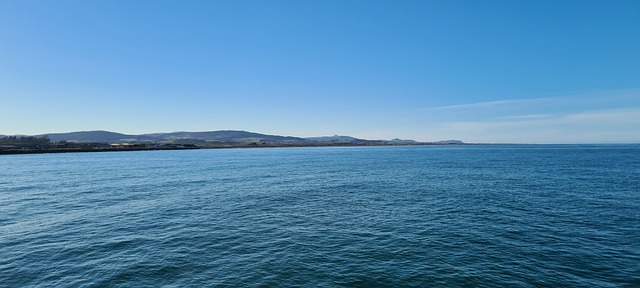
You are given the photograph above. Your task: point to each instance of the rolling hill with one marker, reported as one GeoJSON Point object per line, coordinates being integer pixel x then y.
{"type": "Point", "coordinates": [96, 136]}
{"type": "Point", "coordinates": [226, 138]}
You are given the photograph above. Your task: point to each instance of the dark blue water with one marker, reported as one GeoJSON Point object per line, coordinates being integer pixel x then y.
{"type": "Point", "coordinates": [473, 216]}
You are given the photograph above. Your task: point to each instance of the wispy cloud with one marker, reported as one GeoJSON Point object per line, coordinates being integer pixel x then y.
{"type": "Point", "coordinates": [596, 126]}
{"type": "Point", "coordinates": [489, 104]}
{"type": "Point", "coordinates": [580, 98]}
{"type": "Point", "coordinates": [589, 117]}
{"type": "Point", "coordinates": [628, 115]}
{"type": "Point", "coordinates": [528, 116]}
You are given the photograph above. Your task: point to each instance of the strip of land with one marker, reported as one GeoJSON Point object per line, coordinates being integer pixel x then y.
{"type": "Point", "coordinates": [105, 141]}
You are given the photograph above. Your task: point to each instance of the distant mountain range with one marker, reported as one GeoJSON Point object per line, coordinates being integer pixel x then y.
{"type": "Point", "coordinates": [97, 136]}
{"type": "Point", "coordinates": [335, 138]}
{"type": "Point", "coordinates": [225, 136]}
{"type": "Point", "coordinates": [219, 137]}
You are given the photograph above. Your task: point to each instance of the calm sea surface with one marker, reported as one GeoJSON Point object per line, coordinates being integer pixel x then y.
{"type": "Point", "coordinates": [469, 216]}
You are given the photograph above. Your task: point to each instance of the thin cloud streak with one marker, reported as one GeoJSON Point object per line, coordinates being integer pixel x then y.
{"type": "Point", "coordinates": [528, 116]}
{"type": "Point", "coordinates": [562, 98]}
{"type": "Point", "coordinates": [596, 126]}
{"type": "Point", "coordinates": [488, 104]}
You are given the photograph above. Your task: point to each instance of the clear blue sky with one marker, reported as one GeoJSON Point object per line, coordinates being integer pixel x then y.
{"type": "Point", "coordinates": [478, 71]}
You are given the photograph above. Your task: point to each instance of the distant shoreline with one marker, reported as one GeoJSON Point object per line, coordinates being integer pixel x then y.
{"type": "Point", "coordinates": [129, 149]}
{"type": "Point", "coordinates": [107, 141]}
{"type": "Point", "coordinates": [151, 148]}
{"type": "Point", "coordinates": [55, 151]}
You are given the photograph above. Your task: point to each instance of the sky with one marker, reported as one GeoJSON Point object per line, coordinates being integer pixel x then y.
{"type": "Point", "coordinates": [477, 71]}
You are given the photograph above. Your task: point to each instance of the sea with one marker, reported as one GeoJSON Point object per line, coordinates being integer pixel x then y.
{"type": "Point", "coordinates": [402, 216]}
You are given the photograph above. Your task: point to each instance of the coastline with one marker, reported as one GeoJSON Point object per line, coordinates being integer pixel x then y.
{"type": "Point", "coordinates": [249, 146]}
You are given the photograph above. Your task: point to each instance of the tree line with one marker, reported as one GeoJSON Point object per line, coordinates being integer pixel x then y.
{"type": "Point", "coordinates": [31, 142]}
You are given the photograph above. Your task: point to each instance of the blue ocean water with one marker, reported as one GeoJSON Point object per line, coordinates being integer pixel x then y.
{"type": "Point", "coordinates": [430, 216]}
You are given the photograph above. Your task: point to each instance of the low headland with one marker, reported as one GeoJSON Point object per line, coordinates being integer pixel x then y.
{"type": "Point", "coordinates": [104, 141]}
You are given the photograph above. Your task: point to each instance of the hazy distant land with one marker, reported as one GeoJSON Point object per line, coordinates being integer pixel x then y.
{"type": "Point", "coordinates": [96, 141]}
